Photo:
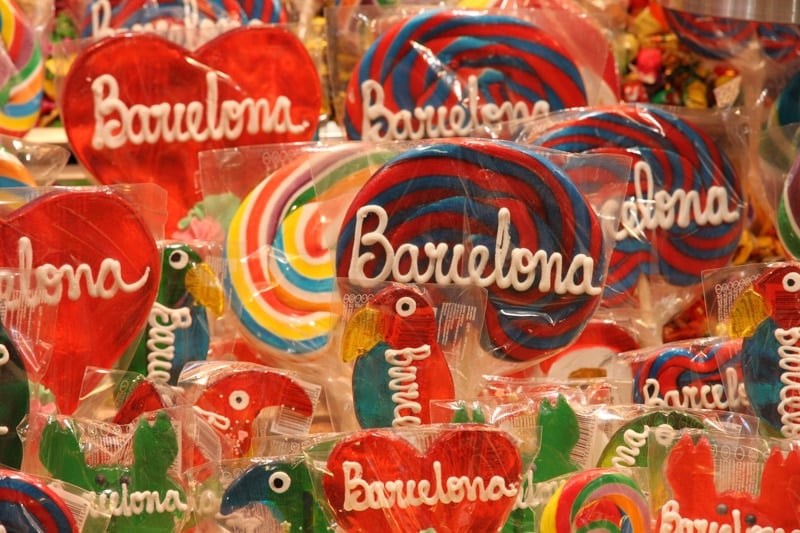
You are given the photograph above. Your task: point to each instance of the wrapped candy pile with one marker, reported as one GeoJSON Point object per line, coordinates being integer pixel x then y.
{"type": "Point", "coordinates": [522, 266]}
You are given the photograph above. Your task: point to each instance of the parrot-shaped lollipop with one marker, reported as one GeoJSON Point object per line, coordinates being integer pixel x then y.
{"type": "Point", "coordinates": [177, 328]}
{"type": "Point", "coordinates": [399, 365]}
{"type": "Point", "coordinates": [768, 316]}
{"type": "Point", "coordinates": [284, 486]}
{"type": "Point", "coordinates": [232, 402]}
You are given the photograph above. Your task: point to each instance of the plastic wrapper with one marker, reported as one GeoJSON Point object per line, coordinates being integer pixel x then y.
{"type": "Point", "coordinates": [25, 163]}
{"type": "Point", "coordinates": [705, 373]}
{"type": "Point", "coordinates": [728, 483]}
{"type": "Point", "coordinates": [27, 331]}
{"type": "Point", "coordinates": [582, 391]}
{"type": "Point", "coordinates": [478, 211]}
{"type": "Point", "coordinates": [479, 69]}
{"type": "Point", "coordinates": [684, 209]}
{"type": "Point", "coordinates": [402, 347]}
{"type": "Point", "coordinates": [415, 479]}
{"type": "Point", "coordinates": [124, 129]}
{"type": "Point", "coordinates": [243, 400]}
{"type": "Point", "coordinates": [132, 470]}
{"type": "Point", "coordinates": [40, 504]}
{"type": "Point", "coordinates": [92, 252]}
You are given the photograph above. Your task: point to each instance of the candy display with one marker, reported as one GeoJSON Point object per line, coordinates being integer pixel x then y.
{"type": "Point", "coordinates": [399, 366]}
{"type": "Point", "coordinates": [695, 375]}
{"type": "Point", "coordinates": [444, 73]}
{"type": "Point", "coordinates": [121, 131]}
{"type": "Point", "coordinates": [490, 266]}
{"type": "Point", "coordinates": [27, 504]}
{"type": "Point", "coordinates": [177, 328]}
{"type": "Point", "coordinates": [690, 470]}
{"type": "Point", "coordinates": [410, 220]}
{"type": "Point", "coordinates": [683, 213]}
{"type": "Point", "coordinates": [596, 499]}
{"type": "Point", "coordinates": [280, 274]}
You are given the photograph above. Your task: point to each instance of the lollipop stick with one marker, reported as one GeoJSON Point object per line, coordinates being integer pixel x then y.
{"type": "Point", "coordinates": [649, 333]}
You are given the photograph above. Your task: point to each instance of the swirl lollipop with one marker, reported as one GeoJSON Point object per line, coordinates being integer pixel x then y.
{"type": "Point", "coordinates": [447, 73]}
{"type": "Point", "coordinates": [596, 500]}
{"type": "Point", "coordinates": [21, 96]}
{"type": "Point", "coordinates": [780, 42]}
{"type": "Point", "coordinates": [683, 212]}
{"type": "Point", "coordinates": [26, 504]}
{"type": "Point", "coordinates": [711, 37]}
{"type": "Point", "coordinates": [490, 213]}
{"type": "Point", "coordinates": [279, 275]}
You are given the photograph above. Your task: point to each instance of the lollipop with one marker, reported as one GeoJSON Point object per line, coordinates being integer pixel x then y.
{"type": "Point", "coordinates": [697, 375]}
{"type": "Point", "coordinates": [279, 273]}
{"type": "Point", "coordinates": [26, 504]}
{"type": "Point", "coordinates": [711, 37]}
{"type": "Point", "coordinates": [447, 73]}
{"type": "Point", "coordinates": [780, 42]}
{"type": "Point", "coordinates": [683, 213]}
{"type": "Point", "coordinates": [21, 96]}
{"type": "Point", "coordinates": [490, 213]}
{"type": "Point", "coordinates": [788, 212]}
{"type": "Point", "coordinates": [596, 500]}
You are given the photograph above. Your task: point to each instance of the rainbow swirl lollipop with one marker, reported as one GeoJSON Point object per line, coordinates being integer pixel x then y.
{"type": "Point", "coordinates": [21, 96]}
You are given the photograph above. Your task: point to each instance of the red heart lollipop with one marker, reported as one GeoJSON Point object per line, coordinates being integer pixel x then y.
{"type": "Point", "coordinates": [138, 108]}
{"type": "Point", "coordinates": [90, 253]}
{"type": "Point", "coordinates": [466, 480]}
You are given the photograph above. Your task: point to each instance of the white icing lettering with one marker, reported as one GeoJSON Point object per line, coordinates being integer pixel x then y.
{"type": "Point", "coordinates": [730, 394]}
{"type": "Point", "coordinates": [650, 209]}
{"type": "Point", "coordinates": [140, 502]}
{"type": "Point", "coordinates": [518, 268]}
{"type": "Point", "coordinates": [633, 441]}
{"type": "Point", "coordinates": [163, 322]}
{"type": "Point", "coordinates": [673, 522]}
{"type": "Point", "coordinates": [45, 283]}
{"type": "Point", "coordinates": [361, 495]}
{"type": "Point", "coordinates": [404, 384]}
{"type": "Point", "coordinates": [380, 123]}
{"type": "Point", "coordinates": [117, 124]}
{"type": "Point", "coordinates": [789, 406]}
{"type": "Point", "coordinates": [215, 419]}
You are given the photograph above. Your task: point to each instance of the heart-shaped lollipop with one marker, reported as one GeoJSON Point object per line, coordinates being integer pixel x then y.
{"type": "Point", "coordinates": [466, 480]}
{"type": "Point", "coordinates": [90, 253]}
{"type": "Point", "coordinates": [138, 108]}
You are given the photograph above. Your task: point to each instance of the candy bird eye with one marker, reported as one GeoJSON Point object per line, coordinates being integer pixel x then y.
{"type": "Point", "coordinates": [280, 482]}
{"type": "Point", "coordinates": [405, 306]}
{"type": "Point", "coordinates": [791, 282]}
{"type": "Point", "coordinates": [239, 400]}
{"type": "Point", "coordinates": [722, 509]}
{"type": "Point", "coordinates": [178, 259]}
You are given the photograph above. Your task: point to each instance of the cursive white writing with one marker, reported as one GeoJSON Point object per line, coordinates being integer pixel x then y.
{"type": "Point", "coordinates": [117, 123]}
{"type": "Point", "coordinates": [140, 502]}
{"type": "Point", "coordinates": [789, 406]}
{"type": "Point", "coordinates": [650, 209]}
{"type": "Point", "coordinates": [380, 123]}
{"type": "Point", "coordinates": [45, 283]}
{"type": "Point", "coordinates": [523, 269]}
{"type": "Point", "coordinates": [163, 322]}
{"type": "Point", "coordinates": [404, 384]}
{"type": "Point", "coordinates": [673, 522]}
{"type": "Point", "coordinates": [728, 395]}
{"type": "Point", "coordinates": [361, 495]}
{"type": "Point", "coordinates": [633, 441]}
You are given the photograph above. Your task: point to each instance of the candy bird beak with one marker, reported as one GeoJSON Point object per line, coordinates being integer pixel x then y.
{"type": "Point", "coordinates": [747, 312]}
{"type": "Point", "coordinates": [362, 332]}
{"type": "Point", "coordinates": [204, 286]}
